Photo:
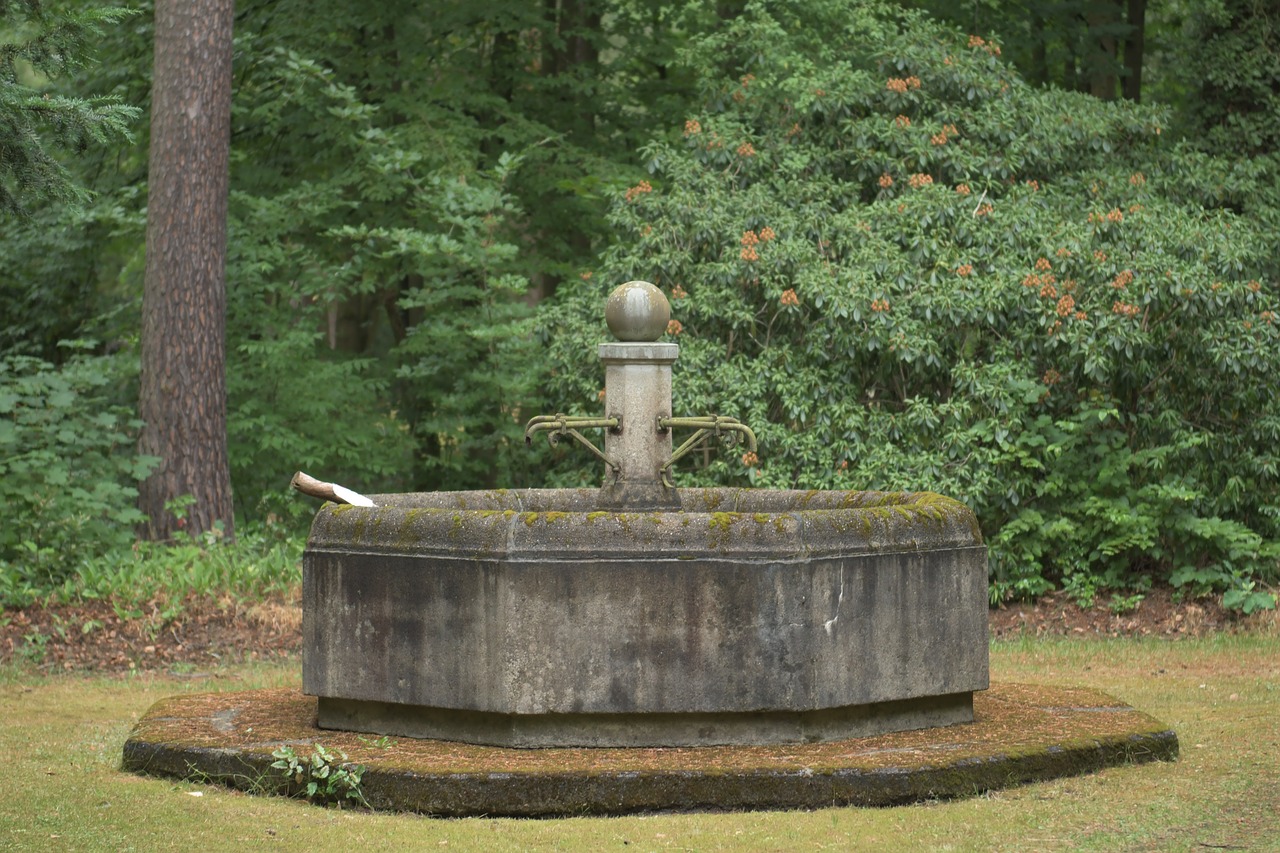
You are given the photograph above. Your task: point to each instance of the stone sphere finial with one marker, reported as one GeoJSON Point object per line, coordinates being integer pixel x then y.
{"type": "Point", "coordinates": [637, 311]}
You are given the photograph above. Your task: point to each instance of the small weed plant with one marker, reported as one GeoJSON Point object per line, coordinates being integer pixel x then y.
{"type": "Point", "coordinates": [324, 777]}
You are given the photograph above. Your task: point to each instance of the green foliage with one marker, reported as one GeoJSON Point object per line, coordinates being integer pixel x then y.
{"type": "Point", "coordinates": [259, 563]}
{"type": "Point", "coordinates": [1248, 599]}
{"type": "Point", "coordinates": [907, 269]}
{"type": "Point", "coordinates": [325, 777]}
{"type": "Point", "coordinates": [49, 289]}
{"type": "Point", "coordinates": [1050, 41]}
{"type": "Point", "coordinates": [404, 187]}
{"type": "Point", "coordinates": [374, 305]}
{"type": "Point", "coordinates": [1231, 65]}
{"type": "Point", "coordinates": [68, 466]}
{"type": "Point", "coordinates": [68, 474]}
{"type": "Point", "coordinates": [157, 578]}
{"type": "Point", "coordinates": [469, 357]}
{"type": "Point", "coordinates": [42, 41]}
{"type": "Point", "coordinates": [1233, 60]}
{"type": "Point", "coordinates": [72, 260]}
{"type": "Point", "coordinates": [1121, 604]}
{"type": "Point", "coordinates": [454, 168]}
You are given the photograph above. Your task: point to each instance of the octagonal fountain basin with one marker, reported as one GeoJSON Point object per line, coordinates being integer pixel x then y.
{"type": "Point", "coordinates": [535, 619]}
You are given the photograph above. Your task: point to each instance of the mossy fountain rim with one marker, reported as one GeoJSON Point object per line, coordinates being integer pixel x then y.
{"type": "Point", "coordinates": [719, 522]}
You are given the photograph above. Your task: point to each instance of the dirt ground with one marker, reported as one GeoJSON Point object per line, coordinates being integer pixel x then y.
{"type": "Point", "coordinates": [97, 636]}
{"type": "Point", "coordinates": [205, 633]}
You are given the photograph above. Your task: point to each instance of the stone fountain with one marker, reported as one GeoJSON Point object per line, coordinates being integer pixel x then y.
{"type": "Point", "coordinates": [639, 616]}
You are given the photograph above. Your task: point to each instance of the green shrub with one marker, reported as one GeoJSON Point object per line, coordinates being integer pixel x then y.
{"type": "Point", "coordinates": [160, 576]}
{"type": "Point", "coordinates": [907, 269]}
{"type": "Point", "coordinates": [68, 465]}
{"type": "Point", "coordinates": [262, 561]}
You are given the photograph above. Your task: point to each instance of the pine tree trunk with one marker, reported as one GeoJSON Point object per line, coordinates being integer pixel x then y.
{"type": "Point", "coordinates": [1039, 49]}
{"type": "Point", "coordinates": [183, 396]}
{"type": "Point", "coordinates": [1101, 71]}
{"type": "Point", "coordinates": [1134, 47]}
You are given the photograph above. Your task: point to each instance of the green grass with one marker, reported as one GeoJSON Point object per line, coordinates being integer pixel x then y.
{"type": "Point", "coordinates": [62, 737]}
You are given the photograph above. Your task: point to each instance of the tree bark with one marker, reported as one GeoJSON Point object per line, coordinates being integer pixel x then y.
{"type": "Point", "coordinates": [574, 26]}
{"type": "Point", "coordinates": [183, 399]}
{"type": "Point", "coordinates": [1134, 45]}
{"type": "Point", "coordinates": [1039, 49]}
{"type": "Point", "coordinates": [1102, 18]}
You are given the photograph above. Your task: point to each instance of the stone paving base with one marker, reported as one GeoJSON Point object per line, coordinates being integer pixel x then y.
{"type": "Point", "coordinates": [1021, 733]}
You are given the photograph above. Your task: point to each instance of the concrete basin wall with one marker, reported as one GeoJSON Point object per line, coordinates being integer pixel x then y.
{"type": "Point", "coordinates": [524, 618]}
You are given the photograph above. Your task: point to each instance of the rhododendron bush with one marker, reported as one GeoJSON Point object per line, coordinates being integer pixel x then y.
{"type": "Point", "coordinates": [907, 269]}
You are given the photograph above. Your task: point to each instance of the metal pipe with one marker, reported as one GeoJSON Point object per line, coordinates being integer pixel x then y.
{"type": "Point", "coordinates": [559, 424]}
{"type": "Point", "coordinates": [711, 425]}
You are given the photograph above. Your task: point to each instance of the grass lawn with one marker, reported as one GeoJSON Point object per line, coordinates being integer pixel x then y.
{"type": "Point", "coordinates": [62, 737]}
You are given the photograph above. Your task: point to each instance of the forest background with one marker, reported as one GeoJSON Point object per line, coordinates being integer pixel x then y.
{"type": "Point", "coordinates": [940, 248]}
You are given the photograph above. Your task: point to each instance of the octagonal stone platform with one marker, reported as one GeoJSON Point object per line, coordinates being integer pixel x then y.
{"type": "Point", "coordinates": [533, 618]}
{"type": "Point", "coordinates": [1021, 733]}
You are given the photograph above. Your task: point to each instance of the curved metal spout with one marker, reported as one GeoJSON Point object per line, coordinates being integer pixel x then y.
{"type": "Point", "coordinates": [560, 424]}
{"type": "Point", "coordinates": [727, 430]}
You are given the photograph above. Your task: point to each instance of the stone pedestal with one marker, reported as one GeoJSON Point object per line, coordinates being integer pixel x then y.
{"type": "Point", "coordinates": [637, 382]}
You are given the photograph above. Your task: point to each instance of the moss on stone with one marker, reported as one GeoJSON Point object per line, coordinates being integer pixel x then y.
{"type": "Point", "coordinates": [895, 520]}
{"type": "Point", "coordinates": [723, 521]}
{"type": "Point", "coordinates": [1021, 733]}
